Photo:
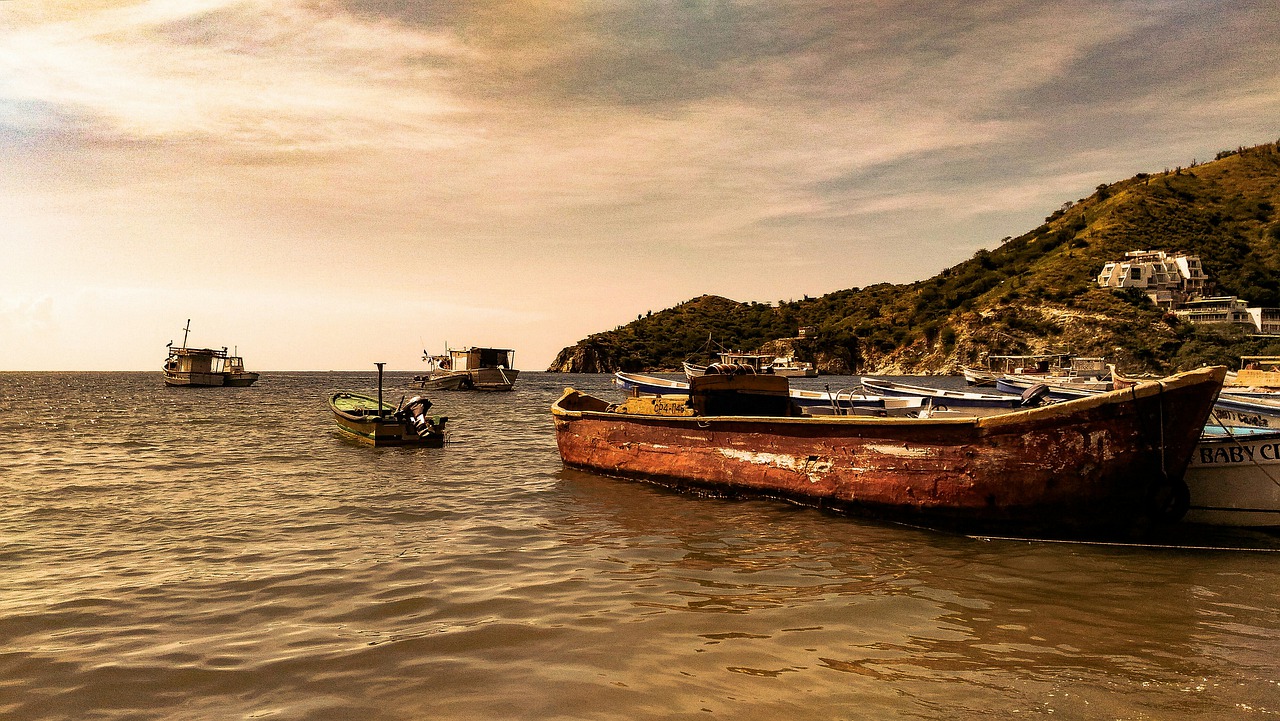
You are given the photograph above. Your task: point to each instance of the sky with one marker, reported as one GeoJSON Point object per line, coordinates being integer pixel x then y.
{"type": "Point", "coordinates": [321, 185]}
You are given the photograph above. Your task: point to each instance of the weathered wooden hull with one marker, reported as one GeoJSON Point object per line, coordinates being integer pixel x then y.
{"type": "Point", "coordinates": [483, 379]}
{"type": "Point", "coordinates": [182, 379]}
{"type": "Point", "coordinates": [243, 379]}
{"type": "Point", "coordinates": [1111, 461]}
{"type": "Point", "coordinates": [1234, 480]}
{"type": "Point", "coordinates": [493, 379]}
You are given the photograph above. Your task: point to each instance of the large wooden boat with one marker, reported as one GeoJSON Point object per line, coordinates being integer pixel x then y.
{"type": "Point", "coordinates": [480, 369]}
{"type": "Point", "coordinates": [1110, 462]}
{"type": "Point", "coordinates": [840, 402]}
{"type": "Point", "coordinates": [1234, 478]}
{"type": "Point", "coordinates": [204, 367]}
{"type": "Point", "coordinates": [370, 420]}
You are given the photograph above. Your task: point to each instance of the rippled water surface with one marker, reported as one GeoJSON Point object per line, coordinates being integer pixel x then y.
{"type": "Point", "coordinates": [221, 554]}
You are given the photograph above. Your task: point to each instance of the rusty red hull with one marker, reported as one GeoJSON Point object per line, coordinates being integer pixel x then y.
{"type": "Point", "coordinates": [1110, 461]}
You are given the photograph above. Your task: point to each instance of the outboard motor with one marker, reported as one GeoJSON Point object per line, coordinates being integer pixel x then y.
{"type": "Point", "coordinates": [1035, 395]}
{"type": "Point", "coordinates": [415, 411]}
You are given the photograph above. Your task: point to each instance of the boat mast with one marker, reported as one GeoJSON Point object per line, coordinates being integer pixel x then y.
{"type": "Point", "coordinates": [379, 388]}
{"type": "Point", "coordinates": [185, 331]}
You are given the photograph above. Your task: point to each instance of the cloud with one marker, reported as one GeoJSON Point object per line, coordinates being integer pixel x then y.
{"type": "Point", "coordinates": [251, 73]}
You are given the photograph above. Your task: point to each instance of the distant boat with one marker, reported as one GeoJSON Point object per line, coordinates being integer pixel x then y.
{"type": "Point", "coordinates": [235, 374]}
{"type": "Point", "coordinates": [370, 420]}
{"type": "Point", "coordinates": [1057, 369]}
{"type": "Point", "coordinates": [481, 369]}
{"type": "Point", "coordinates": [979, 376]}
{"type": "Point", "coordinates": [789, 367]}
{"type": "Point", "coordinates": [204, 367]}
{"type": "Point", "coordinates": [1234, 478]}
{"type": "Point", "coordinates": [1058, 388]}
{"type": "Point", "coordinates": [944, 399]}
{"type": "Point", "coordinates": [842, 402]}
{"type": "Point", "coordinates": [1109, 462]}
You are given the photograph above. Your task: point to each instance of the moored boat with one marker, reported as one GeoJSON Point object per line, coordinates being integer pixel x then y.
{"type": "Point", "coordinates": [1057, 391]}
{"type": "Point", "coordinates": [840, 402]}
{"type": "Point", "coordinates": [1110, 462]}
{"type": "Point", "coordinates": [475, 368]}
{"type": "Point", "coordinates": [1234, 478]}
{"type": "Point", "coordinates": [204, 367]}
{"type": "Point", "coordinates": [789, 367]}
{"type": "Point", "coordinates": [1258, 374]}
{"type": "Point", "coordinates": [370, 420]}
{"type": "Point", "coordinates": [979, 376]}
{"type": "Point", "coordinates": [1246, 411]}
{"type": "Point", "coordinates": [946, 399]}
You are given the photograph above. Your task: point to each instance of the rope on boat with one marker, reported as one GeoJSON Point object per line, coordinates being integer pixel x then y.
{"type": "Point", "coordinates": [1160, 403]}
{"type": "Point", "coordinates": [1122, 544]}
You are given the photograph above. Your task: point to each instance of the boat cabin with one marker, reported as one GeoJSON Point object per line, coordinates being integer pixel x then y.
{"type": "Point", "coordinates": [197, 360]}
{"type": "Point", "coordinates": [474, 358]}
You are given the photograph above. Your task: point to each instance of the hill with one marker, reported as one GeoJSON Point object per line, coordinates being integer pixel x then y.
{"type": "Point", "coordinates": [1030, 294]}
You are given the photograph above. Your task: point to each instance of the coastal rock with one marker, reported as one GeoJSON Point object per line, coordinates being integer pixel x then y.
{"type": "Point", "coordinates": [581, 358]}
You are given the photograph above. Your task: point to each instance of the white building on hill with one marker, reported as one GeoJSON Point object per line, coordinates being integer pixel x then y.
{"type": "Point", "coordinates": [1169, 280]}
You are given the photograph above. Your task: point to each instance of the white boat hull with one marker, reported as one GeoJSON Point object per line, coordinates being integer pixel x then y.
{"type": "Point", "coordinates": [1235, 481]}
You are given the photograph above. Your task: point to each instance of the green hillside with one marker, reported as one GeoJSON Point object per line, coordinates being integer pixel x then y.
{"type": "Point", "coordinates": [1033, 293]}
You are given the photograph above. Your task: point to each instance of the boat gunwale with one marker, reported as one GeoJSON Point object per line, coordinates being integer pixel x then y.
{"type": "Point", "coordinates": [333, 406]}
{"type": "Point", "coordinates": [1014, 417]}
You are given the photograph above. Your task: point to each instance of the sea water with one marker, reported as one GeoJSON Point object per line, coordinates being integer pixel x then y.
{"type": "Point", "coordinates": [222, 554]}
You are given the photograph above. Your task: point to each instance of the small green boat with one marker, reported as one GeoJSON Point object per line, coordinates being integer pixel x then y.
{"type": "Point", "coordinates": [371, 421]}
{"type": "Point", "coordinates": [364, 419]}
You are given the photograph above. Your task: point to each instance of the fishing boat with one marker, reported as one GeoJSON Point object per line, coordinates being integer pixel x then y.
{"type": "Point", "coordinates": [1235, 408]}
{"type": "Point", "coordinates": [841, 402]}
{"type": "Point", "coordinates": [1239, 411]}
{"type": "Point", "coordinates": [370, 420]}
{"type": "Point", "coordinates": [1058, 389]}
{"type": "Point", "coordinates": [945, 399]}
{"type": "Point", "coordinates": [789, 367]}
{"type": "Point", "coordinates": [235, 375]}
{"type": "Point", "coordinates": [1057, 369]}
{"type": "Point", "coordinates": [979, 376]}
{"type": "Point", "coordinates": [480, 369]}
{"type": "Point", "coordinates": [1109, 462]}
{"type": "Point", "coordinates": [204, 367]}
{"type": "Point", "coordinates": [1234, 478]}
